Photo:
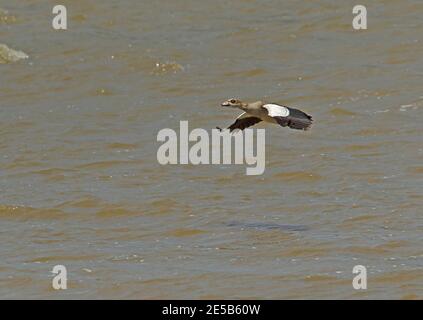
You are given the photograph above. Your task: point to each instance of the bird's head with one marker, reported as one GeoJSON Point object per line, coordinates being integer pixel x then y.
{"type": "Point", "coordinates": [232, 103]}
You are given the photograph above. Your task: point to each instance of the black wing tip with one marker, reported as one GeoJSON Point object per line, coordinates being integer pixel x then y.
{"type": "Point", "coordinates": [306, 124]}
{"type": "Point", "coordinates": [297, 119]}
{"type": "Point", "coordinates": [297, 123]}
{"type": "Point", "coordinates": [304, 127]}
{"type": "Point", "coordinates": [307, 127]}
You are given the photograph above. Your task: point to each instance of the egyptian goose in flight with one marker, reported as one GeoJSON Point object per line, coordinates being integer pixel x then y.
{"type": "Point", "coordinates": [268, 112]}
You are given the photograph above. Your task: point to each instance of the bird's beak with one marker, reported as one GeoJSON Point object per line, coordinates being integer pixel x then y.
{"type": "Point", "coordinates": [225, 104]}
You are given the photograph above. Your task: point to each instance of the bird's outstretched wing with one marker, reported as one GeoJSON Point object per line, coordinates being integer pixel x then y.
{"type": "Point", "coordinates": [289, 117]}
{"type": "Point", "coordinates": [242, 122]}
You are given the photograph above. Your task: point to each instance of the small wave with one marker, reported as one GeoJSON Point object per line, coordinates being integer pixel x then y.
{"type": "Point", "coordinates": [298, 176]}
{"type": "Point", "coordinates": [341, 112]}
{"type": "Point", "coordinates": [8, 55]}
{"type": "Point", "coordinates": [180, 233]}
{"type": "Point", "coordinates": [248, 73]}
{"type": "Point", "coordinates": [167, 67]}
{"type": "Point", "coordinates": [6, 17]}
{"type": "Point", "coordinates": [407, 107]}
{"type": "Point", "coordinates": [29, 213]}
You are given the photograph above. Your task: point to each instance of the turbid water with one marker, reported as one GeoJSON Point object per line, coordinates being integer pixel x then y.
{"type": "Point", "coordinates": [80, 184]}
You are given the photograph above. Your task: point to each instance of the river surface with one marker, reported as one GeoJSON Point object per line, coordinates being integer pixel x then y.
{"type": "Point", "coordinates": [80, 184]}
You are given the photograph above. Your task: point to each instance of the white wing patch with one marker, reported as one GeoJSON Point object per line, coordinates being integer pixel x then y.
{"type": "Point", "coordinates": [275, 110]}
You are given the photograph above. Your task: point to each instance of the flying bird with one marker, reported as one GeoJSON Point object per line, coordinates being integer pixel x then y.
{"type": "Point", "coordinates": [268, 112]}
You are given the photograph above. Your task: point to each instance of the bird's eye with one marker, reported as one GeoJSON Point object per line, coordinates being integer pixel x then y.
{"type": "Point", "coordinates": [233, 101]}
